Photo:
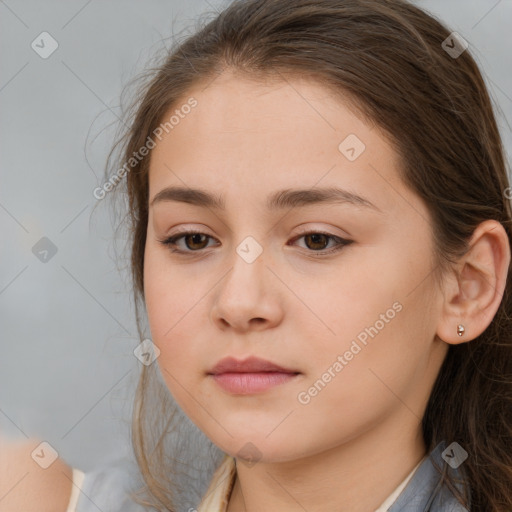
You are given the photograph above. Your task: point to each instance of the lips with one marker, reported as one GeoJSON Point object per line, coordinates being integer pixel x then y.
{"type": "Point", "coordinates": [249, 365]}
{"type": "Point", "coordinates": [250, 376]}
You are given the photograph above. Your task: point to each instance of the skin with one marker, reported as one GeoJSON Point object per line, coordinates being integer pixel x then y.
{"type": "Point", "coordinates": [358, 438]}
{"type": "Point", "coordinates": [26, 486]}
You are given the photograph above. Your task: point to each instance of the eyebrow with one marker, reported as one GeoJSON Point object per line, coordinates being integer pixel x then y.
{"type": "Point", "coordinates": [286, 198]}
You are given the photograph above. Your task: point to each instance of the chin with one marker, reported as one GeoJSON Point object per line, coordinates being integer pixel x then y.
{"type": "Point", "coordinates": [253, 445]}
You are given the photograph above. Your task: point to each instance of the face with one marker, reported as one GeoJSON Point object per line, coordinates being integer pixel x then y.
{"type": "Point", "coordinates": [337, 292]}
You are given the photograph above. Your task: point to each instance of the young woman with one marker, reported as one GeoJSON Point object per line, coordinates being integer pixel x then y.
{"type": "Point", "coordinates": [320, 220]}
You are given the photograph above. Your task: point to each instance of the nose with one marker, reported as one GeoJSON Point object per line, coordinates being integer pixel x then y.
{"type": "Point", "coordinates": [248, 297]}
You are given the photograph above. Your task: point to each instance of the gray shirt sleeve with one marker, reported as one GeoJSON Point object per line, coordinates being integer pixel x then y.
{"type": "Point", "coordinates": [107, 489]}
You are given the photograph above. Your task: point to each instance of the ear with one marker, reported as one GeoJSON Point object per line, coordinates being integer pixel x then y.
{"type": "Point", "coordinates": [474, 294]}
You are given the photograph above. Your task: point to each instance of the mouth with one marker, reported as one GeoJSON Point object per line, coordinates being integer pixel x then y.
{"type": "Point", "coordinates": [249, 376]}
{"type": "Point", "coordinates": [250, 383]}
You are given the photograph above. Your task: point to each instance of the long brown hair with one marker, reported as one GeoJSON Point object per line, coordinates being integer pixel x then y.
{"type": "Point", "coordinates": [387, 56]}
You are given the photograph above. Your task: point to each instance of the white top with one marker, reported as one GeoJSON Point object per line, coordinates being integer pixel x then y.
{"type": "Point", "coordinates": [78, 479]}
{"type": "Point", "coordinates": [394, 495]}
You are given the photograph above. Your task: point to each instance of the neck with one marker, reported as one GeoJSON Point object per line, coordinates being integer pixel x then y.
{"type": "Point", "coordinates": [357, 475]}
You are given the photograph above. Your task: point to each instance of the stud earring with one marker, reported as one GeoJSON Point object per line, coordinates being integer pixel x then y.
{"type": "Point", "coordinates": [460, 329]}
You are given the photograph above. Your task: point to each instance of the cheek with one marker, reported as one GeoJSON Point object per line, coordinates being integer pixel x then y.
{"type": "Point", "coordinates": [175, 331]}
{"type": "Point", "coordinates": [379, 326]}
{"type": "Point", "coordinates": [372, 379]}
{"type": "Point", "coordinates": [172, 307]}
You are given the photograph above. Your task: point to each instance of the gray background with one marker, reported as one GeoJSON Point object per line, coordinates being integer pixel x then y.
{"type": "Point", "coordinates": [67, 369]}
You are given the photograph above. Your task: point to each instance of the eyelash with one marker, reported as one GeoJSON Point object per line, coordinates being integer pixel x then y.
{"type": "Point", "coordinates": [171, 242]}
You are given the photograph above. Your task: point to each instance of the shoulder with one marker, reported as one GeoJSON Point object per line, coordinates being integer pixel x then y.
{"type": "Point", "coordinates": [427, 491]}
{"type": "Point", "coordinates": [26, 485]}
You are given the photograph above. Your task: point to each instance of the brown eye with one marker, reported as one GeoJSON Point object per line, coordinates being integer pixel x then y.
{"type": "Point", "coordinates": [316, 241]}
{"type": "Point", "coordinates": [193, 241]}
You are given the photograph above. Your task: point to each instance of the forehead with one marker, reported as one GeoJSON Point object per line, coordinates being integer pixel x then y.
{"type": "Point", "coordinates": [252, 136]}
